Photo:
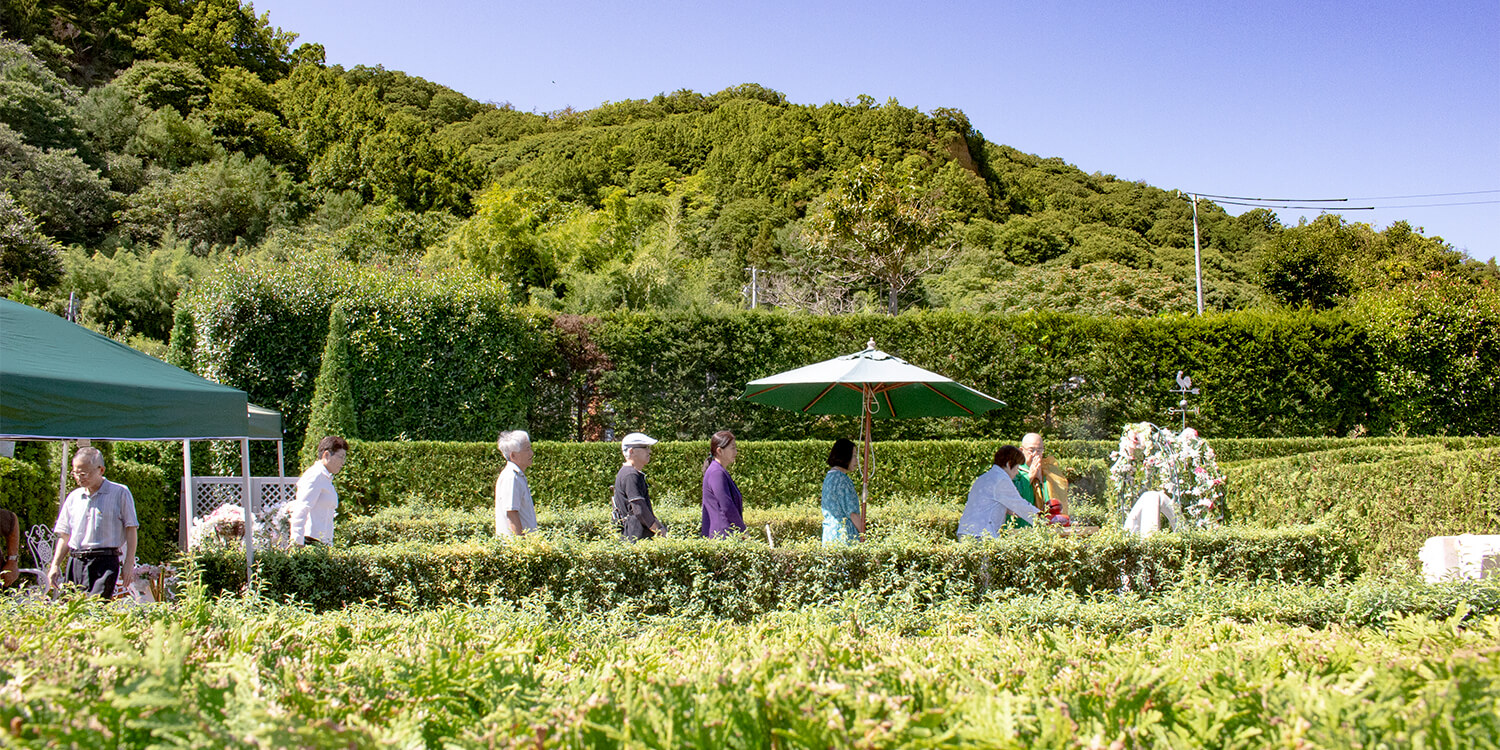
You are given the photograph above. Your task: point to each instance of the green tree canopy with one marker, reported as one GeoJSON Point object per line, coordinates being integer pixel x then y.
{"type": "Point", "coordinates": [878, 224]}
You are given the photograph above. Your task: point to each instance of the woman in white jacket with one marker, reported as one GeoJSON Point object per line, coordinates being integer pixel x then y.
{"type": "Point", "coordinates": [993, 497]}
{"type": "Point", "coordinates": [317, 501]}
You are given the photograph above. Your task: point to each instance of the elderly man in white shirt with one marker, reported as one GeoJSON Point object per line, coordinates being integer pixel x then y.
{"type": "Point", "coordinates": [317, 501]}
{"type": "Point", "coordinates": [993, 496]}
{"type": "Point", "coordinates": [514, 512]}
{"type": "Point", "coordinates": [94, 523]}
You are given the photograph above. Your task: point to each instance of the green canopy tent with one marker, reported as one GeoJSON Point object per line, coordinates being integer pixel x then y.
{"type": "Point", "coordinates": [60, 381]}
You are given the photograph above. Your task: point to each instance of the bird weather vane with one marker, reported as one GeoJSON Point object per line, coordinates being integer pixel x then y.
{"type": "Point", "coordinates": [1184, 389]}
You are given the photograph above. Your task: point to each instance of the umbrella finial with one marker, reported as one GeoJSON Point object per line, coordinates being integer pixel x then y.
{"type": "Point", "coordinates": [870, 344]}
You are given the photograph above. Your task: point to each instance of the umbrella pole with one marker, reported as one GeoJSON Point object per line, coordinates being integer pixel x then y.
{"type": "Point", "coordinates": [865, 459]}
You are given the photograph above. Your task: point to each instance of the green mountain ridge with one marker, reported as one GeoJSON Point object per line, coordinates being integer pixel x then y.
{"type": "Point", "coordinates": [142, 143]}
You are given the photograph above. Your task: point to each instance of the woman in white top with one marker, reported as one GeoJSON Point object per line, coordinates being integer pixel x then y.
{"type": "Point", "coordinates": [994, 496]}
{"type": "Point", "coordinates": [317, 501]}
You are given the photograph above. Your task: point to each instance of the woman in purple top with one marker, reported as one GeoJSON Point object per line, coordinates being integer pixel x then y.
{"type": "Point", "coordinates": [723, 508]}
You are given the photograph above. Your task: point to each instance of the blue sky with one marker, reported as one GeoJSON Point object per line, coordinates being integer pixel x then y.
{"type": "Point", "coordinates": [1271, 99]}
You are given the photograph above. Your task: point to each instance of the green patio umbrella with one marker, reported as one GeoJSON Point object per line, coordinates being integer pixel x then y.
{"type": "Point", "coordinates": [869, 384]}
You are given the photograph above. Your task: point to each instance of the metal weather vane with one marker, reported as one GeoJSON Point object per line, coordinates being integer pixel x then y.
{"type": "Point", "coordinates": [1184, 389]}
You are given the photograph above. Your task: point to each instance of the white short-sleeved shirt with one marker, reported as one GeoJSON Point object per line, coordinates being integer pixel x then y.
{"type": "Point", "coordinates": [512, 493]}
{"type": "Point", "coordinates": [316, 504]}
{"type": "Point", "coordinates": [97, 520]}
{"type": "Point", "coordinates": [991, 497]}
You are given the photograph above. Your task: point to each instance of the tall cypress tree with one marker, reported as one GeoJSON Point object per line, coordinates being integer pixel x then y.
{"type": "Point", "coordinates": [181, 348]}
{"type": "Point", "coordinates": [333, 399]}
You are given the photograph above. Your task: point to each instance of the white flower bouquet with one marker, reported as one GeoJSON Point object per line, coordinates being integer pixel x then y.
{"type": "Point", "coordinates": [1181, 465]}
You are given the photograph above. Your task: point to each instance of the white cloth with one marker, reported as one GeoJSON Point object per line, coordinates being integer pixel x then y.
{"type": "Point", "coordinates": [513, 494]}
{"type": "Point", "coordinates": [316, 504]}
{"type": "Point", "coordinates": [1145, 516]}
{"type": "Point", "coordinates": [992, 497]}
{"type": "Point", "coordinates": [97, 520]}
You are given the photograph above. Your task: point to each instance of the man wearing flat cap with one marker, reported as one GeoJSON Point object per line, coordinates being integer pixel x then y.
{"type": "Point", "coordinates": [632, 501]}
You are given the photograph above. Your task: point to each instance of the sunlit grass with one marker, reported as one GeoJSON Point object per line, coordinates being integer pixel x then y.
{"type": "Point", "coordinates": [1209, 666]}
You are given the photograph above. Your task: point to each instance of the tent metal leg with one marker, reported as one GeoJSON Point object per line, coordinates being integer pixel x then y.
{"type": "Point", "coordinates": [62, 475]}
{"type": "Point", "coordinates": [248, 516]}
{"type": "Point", "coordinates": [186, 516]}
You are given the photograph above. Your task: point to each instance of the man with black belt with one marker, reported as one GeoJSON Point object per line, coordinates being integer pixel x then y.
{"type": "Point", "coordinates": [95, 521]}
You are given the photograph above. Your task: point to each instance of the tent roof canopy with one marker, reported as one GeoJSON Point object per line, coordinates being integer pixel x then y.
{"type": "Point", "coordinates": [59, 380]}
{"type": "Point", "coordinates": [265, 424]}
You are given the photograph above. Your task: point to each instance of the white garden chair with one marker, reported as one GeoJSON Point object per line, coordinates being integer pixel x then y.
{"type": "Point", "coordinates": [40, 540]}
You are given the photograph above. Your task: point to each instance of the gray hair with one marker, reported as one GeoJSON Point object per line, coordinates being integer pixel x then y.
{"type": "Point", "coordinates": [91, 454]}
{"type": "Point", "coordinates": [513, 441]}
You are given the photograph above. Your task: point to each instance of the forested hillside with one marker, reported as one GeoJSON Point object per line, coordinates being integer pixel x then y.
{"type": "Point", "coordinates": [145, 142]}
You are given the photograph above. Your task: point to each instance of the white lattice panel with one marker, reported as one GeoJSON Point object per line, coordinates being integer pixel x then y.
{"type": "Point", "coordinates": [268, 493]}
{"type": "Point", "coordinates": [271, 493]}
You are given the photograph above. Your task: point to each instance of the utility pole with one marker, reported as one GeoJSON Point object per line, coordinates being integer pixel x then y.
{"type": "Point", "coordinates": [754, 286]}
{"type": "Point", "coordinates": [1197, 255]}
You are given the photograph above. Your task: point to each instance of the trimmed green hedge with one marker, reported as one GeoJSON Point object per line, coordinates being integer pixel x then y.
{"type": "Point", "coordinates": [769, 473]}
{"type": "Point", "coordinates": [905, 521]}
{"type": "Point", "coordinates": [1388, 506]}
{"type": "Point", "coordinates": [1231, 450]}
{"type": "Point", "coordinates": [27, 491]}
{"type": "Point", "coordinates": [740, 579]}
{"type": "Point", "coordinates": [436, 358]}
{"type": "Point", "coordinates": [446, 358]}
{"type": "Point", "coordinates": [154, 508]}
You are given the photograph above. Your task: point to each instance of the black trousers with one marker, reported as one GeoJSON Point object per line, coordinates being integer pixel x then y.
{"type": "Point", "coordinates": [96, 575]}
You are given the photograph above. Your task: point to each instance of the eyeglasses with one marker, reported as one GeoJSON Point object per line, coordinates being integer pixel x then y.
{"type": "Point", "coordinates": [84, 472]}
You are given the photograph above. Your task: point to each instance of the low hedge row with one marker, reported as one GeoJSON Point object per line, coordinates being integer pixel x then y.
{"type": "Point", "coordinates": [1387, 507]}
{"type": "Point", "coordinates": [741, 579]}
{"type": "Point", "coordinates": [900, 520]}
{"type": "Point", "coordinates": [462, 475]}
{"type": "Point", "coordinates": [769, 473]}
{"type": "Point", "coordinates": [1368, 602]}
{"type": "Point", "coordinates": [1234, 450]}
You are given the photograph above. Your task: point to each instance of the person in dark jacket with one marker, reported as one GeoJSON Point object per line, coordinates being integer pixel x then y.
{"type": "Point", "coordinates": [723, 508]}
{"type": "Point", "coordinates": [632, 500]}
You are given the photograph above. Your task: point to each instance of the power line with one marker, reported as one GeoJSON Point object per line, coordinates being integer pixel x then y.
{"type": "Point", "coordinates": [1426, 195]}
{"type": "Point", "coordinates": [1271, 200]}
{"type": "Point", "coordinates": [1432, 205]}
{"type": "Point", "coordinates": [1296, 203]}
{"type": "Point", "coordinates": [1279, 205]}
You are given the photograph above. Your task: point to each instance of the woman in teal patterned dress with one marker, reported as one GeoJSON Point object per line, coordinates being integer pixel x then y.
{"type": "Point", "coordinates": [842, 522]}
